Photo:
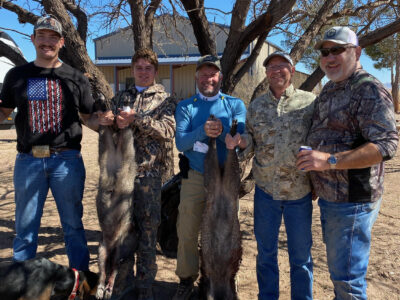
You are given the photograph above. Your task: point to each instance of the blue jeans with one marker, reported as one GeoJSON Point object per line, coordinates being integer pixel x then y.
{"type": "Point", "coordinates": [346, 231]}
{"type": "Point", "coordinates": [297, 215]}
{"type": "Point", "coordinates": [64, 174]}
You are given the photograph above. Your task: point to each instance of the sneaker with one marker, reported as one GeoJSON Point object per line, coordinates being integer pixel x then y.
{"type": "Point", "coordinates": [145, 294]}
{"type": "Point", "coordinates": [185, 289]}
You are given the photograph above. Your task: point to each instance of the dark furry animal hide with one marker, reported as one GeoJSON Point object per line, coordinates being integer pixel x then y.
{"type": "Point", "coordinates": [221, 249]}
{"type": "Point", "coordinates": [39, 279]}
{"type": "Point", "coordinates": [115, 208]}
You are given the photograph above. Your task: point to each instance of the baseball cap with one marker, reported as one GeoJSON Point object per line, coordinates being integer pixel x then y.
{"type": "Point", "coordinates": [50, 23]}
{"type": "Point", "coordinates": [280, 54]}
{"type": "Point", "coordinates": [340, 35]}
{"type": "Point", "coordinates": [209, 60]}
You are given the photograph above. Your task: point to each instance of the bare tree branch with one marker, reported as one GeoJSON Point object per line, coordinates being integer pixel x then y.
{"type": "Point", "coordinates": [80, 16]}
{"type": "Point", "coordinates": [201, 28]}
{"type": "Point", "coordinates": [239, 40]}
{"type": "Point", "coordinates": [19, 32]}
{"type": "Point", "coordinates": [24, 16]}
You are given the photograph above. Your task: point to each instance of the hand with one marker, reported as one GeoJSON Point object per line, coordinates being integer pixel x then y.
{"type": "Point", "coordinates": [232, 142]}
{"type": "Point", "coordinates": [312, 160]}
{"type": "Point", "coordinates": [106, 118]}
{"type": "Point", "coordinates": [213, 128]}
{"type": "Point", "coordinates": [125, 118]}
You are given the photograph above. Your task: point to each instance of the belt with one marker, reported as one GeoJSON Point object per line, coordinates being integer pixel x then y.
{"type": "Point", "coordinates": [60, 149]}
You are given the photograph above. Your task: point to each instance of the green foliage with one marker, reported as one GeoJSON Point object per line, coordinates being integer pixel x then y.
{"type": "Point", "coordinates": [384, 53]}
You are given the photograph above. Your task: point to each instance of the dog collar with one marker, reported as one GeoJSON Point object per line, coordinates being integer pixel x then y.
{"type": "Point", "coordinates": [76, 285]}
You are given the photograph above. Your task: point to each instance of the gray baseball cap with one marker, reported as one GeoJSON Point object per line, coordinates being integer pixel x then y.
{"type": "Point", "coordinates": [208, 60]}
{"type": "Point", "coordinates": [339, 35]}
{"type": "Point", "coordinates": [49, 23]}
{"type": "Point", "coordinates": [280, 54]}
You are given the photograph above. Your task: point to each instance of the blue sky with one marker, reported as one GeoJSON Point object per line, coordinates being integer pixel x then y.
{"type": "Point", "coordinates": [9, 20]}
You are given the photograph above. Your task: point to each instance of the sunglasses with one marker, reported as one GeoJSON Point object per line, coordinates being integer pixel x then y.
{"type": "Point", "coordinates": [334, 50]}
{"type": "Point", "coordinates": [277, 67]}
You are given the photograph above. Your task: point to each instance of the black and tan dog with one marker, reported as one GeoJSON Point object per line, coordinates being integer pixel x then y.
{"type": "Point", "coordinates": [39, 279]}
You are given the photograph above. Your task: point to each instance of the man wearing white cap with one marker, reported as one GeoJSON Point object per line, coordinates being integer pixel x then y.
{"type": "Point", "coordinates": [276, 126]}
{"type": "Point", "coordinates": [353, 132]}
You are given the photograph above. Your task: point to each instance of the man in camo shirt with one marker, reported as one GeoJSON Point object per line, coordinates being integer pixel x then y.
{"type": "Point", "coordinates": [276, 126]}
{"type": "Point", "coordinates": [152, 120]}
{"type": "Point", "coordinates": [353, 132]}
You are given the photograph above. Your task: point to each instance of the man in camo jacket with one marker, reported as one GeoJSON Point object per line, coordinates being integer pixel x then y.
{"type": "Point", "coordinates": [276, 126]}
{"type": "Point", "coordinates": [353, 132]}
{"type": "Point", "coordinates": [152, 120]}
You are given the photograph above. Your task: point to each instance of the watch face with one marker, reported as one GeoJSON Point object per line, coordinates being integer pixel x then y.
{"type": "Point", "coordinates": [332, 160]}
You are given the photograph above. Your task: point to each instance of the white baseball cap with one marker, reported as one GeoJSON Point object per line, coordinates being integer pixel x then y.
{"type": "Point", "coordinates": [340, 35]}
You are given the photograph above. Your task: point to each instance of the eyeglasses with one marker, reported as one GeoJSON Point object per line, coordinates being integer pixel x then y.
{"type": "Point", "coordinates": [277, 67]}
{"type": "Point", "coordinates": [334, 50]}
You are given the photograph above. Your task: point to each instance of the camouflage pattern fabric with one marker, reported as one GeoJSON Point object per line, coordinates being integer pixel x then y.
{"type": "Point", "coordinates": [347, 115]}
{"type": "Point", "coordinates": [147, 218]}
{"type": "Point", "coordinates": [275, 129]}
{"type": "Point", "coordinates": [153, 129]}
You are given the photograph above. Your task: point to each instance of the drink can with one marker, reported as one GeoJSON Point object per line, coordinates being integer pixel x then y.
{"type": "Point", "coordinates": [126, 108]}
{"type": "Point", "coordinates": [304, 148]}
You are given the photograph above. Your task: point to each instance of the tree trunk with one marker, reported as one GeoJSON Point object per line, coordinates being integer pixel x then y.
{"type": "Point", "coordinates": [201, 28]}
{"type": "Point", "coordinates": [240, 37]}
{"type": "Point", "coordinates": [305, 40]}
{"type": "Point", "coordinates": [141, 32]}
{"type": "Point", "coordinates": [395, 83]}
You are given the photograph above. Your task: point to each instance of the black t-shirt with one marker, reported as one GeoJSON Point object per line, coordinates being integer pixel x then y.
{"type": "Point", "coordinates": [48, 102]}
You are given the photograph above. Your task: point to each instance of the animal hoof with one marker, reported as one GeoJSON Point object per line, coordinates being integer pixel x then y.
{"type": "Point", "coordinates": [108, 294]}
{"type": "Point", "coordinates": [100, 292]}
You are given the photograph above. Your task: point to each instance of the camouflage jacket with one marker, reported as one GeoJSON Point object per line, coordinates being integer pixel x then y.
{"type": "Point", "coordinates": [275, 129]}
{"type": "Point", "coordinates": [347, 115]}
{"type": "Point", "coordinates": [153, 129]}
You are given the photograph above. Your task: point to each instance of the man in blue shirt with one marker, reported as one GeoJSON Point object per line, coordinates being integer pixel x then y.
{"type": "Point", "coordinates": [193, 130]}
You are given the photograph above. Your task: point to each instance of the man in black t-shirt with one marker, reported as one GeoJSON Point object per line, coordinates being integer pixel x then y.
{"type": "Point", "coordinates": [51, 97]}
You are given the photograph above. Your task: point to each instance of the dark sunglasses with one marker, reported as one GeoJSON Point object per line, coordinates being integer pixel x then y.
{"type": "Point", "coordinates": [335, 50]}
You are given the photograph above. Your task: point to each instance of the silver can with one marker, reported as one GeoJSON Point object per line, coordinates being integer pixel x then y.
{"type": "Point", "coordinates": [304, 148]}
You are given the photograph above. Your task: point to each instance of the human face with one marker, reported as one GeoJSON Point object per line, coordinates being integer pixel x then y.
{"type": "Point", "coordinates": [143, 72]}
{"type": "Point", "coordinates": [279, 73]}
{"type": "Point", "coordinates": [47, 44]}
{"type": "Point", "coordinates": [339, 67]}
{"type": "Point", "coordinates": [208, 80]}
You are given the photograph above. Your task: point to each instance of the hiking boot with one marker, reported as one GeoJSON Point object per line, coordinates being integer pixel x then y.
{"type": "Point", "coordinates": [145, 294]}
{"type": "Point", "coordinates": [184, 290]}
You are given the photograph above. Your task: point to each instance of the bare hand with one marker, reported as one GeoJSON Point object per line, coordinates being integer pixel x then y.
{"type": "Point", "coordinates": [312, 160]}
{"type": "Point", "coordinates": [213, 128]}
{"type": "Point", "coordinates": [125, 118]}
{"type": "Point", "coordinates": [232, 142]}
{"type": "Point", "coordinates": [106, 118]}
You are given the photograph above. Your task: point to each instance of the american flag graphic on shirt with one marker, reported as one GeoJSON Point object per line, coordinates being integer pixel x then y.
{"type": "Point", "coordinates": [45, 105]}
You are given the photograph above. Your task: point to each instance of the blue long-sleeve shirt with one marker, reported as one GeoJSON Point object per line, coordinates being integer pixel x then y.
{"type": "Point", "coordinates": [190, 116]}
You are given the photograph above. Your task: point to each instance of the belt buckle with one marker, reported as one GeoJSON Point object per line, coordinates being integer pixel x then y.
{"type": "Point", "coordinates": [41, 151]}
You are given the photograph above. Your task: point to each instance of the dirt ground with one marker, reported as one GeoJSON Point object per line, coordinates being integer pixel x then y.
{"type": "Point", "coordinates": [384, 268]}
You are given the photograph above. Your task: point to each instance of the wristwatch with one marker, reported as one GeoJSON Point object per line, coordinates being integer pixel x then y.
{"type": "Point", "coordinates": [332, 160]}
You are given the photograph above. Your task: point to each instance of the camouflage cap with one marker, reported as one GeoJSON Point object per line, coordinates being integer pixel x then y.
{"type": "Point", "coordinates": [209, 60]}
{"type": "Point", "coordinates": [49, 23]}
{"type": "Point", "coordinates": [340, 35]}
{"type": "Point", "coordinates": [280, 54]}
